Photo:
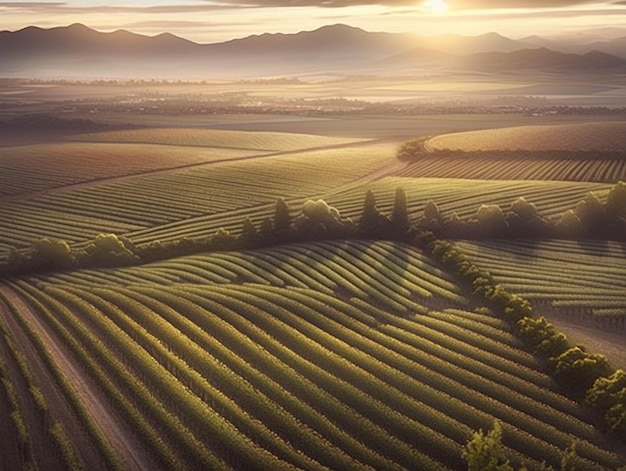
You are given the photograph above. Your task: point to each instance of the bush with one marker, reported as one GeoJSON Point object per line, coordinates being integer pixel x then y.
{"type": "Point", "coordinates": [577, 370]}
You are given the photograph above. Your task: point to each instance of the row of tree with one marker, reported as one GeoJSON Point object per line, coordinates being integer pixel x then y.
{"type": "Point", "coordinates": [590, 218]}
{"type": "Point", "coordinates": [317, 220]}
{"type": "Point", "coordinates": [586, 376]}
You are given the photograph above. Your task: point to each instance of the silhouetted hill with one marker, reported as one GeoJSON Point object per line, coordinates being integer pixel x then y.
{"type": "Point", "coordinates": [542, 59]}
{"type": "Point", "coordinates": [77, 51]}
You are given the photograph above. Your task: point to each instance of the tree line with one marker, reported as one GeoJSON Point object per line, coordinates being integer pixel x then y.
{"type": "Point", "coordinates": [585, 376]}
{"type": "Point", "coordinates": [317, 220]}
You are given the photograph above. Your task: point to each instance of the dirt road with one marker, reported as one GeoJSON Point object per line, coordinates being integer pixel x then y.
{"type": "Point", "coordinates": [116, 431]}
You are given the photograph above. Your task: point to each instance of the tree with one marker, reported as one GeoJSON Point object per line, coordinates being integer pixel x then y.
{"type": "Point", "coordinates": [485, 452]}
{"type": "Point", "coordinates": [400, 213]}
{"type": "Point", "coordinates": [282, 218]}
{"type": "Point", "coordinates": [249, 235]}
{"type": "Point", "coordinates": [524, 219]}
{"type": "Point", "coordinates": [603, 392]}
{"type": "Point", "coordinates": [542, 336]}
{"type": "Point", "coordinates": [569, 225]}
{"type": "Point", "coordinates": [616, 202]}
{"type": "Point", "coordinates": [320, 220]}
{"type": "Point", "coordinates": [373, 223]}
{"type": "Point", "coordinates": [109, 250]}
{"type": "Point", "coordinates": [608, 395]}
{"type": "Point", "coordinates": [577, 370]}
{"type": "Point", "coordinates": [52, 255]}
{"type": "Point", "coordinates": [491, 220]}
{"type": "Point", "coordinates": [592, 214]}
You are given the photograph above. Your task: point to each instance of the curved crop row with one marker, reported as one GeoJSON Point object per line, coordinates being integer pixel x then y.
{"type": "Point", "coordinates": [595, 272]}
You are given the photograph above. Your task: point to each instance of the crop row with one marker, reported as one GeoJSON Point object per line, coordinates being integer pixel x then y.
{"type": "Point", "coordinates": [391, 274]}
{"type": "Point", "coordinates": [588, 137]}
{"type": "Point", "coordinates": [155, 206]}
{"type": "Point", "coordinates": [45, 412]}
{"type": "Point", "coordinates": [511, 166]}
{"type": "Point", "coordinates": [587, 274]}
{"type": "Point", "coordinates": [428, 405]}
{"type": "Point", "coordinates": [258, 141]}
{"type": "Point", "coordinates": [39, 167]}
{"type": "Point", "coordinates": [461, 196]}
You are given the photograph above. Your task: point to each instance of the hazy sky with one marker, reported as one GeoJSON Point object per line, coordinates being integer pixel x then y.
{"type": "Point", "coordinates": [210, 21]}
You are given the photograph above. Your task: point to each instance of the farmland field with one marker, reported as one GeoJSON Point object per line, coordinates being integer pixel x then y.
{"type": "Point", "coordinates": [154, 199]}
{"type": "Point", "coordinates": [329, 353]}
{"type": "Point", "coordinates": [587, 137]}
{"type": "Point", "coordinates": [590, 152]}
{"type": "Point", "coordinates": [576, 278]}
{"type": "Point", "coordinates": [253, 359]}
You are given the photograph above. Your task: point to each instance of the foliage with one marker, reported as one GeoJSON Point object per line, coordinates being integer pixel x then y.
{"type": "Point", "coordinates": [484, 452]}
{"type": "Point", "coordinates": [400, 215]}
{"type": "Point", "coordinates": [412, 149]}
{"type": "Point", "coordinates": [577, 370]}
{"type": "Point", "coordinates": [608, 395]}
{"type": "Point", "coordinates": [319, 220]}
{"type": "Point", "coordinates": [109, 250]}
{"type": "Point", "coordinates": [542, 336]}
{"type": "Point", "coordinates": [282, 218]}
{"type": "Point", "coordinates": [373, 223]}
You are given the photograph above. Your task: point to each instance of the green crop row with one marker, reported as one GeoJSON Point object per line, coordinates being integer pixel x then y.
{"type": "Point", "coordinates": [264, 372]}
{"type": "Point", "coordinates": [120, 386]}
{"type": "Point", "coordinates": [325, 388]}
{"type": "Point", "coordinates": [111, 459]}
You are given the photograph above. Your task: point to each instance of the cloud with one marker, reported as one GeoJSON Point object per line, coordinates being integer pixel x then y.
{"type": "Point", "coordinates": [48, 8]}
{"type": "Point", "coordinates": [212, 5]}
{"type": "Point", "coordinates": [456, 4]}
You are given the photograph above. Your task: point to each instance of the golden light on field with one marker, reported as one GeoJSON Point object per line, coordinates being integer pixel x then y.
{"type": "Point", "coordinates": [437, 7]}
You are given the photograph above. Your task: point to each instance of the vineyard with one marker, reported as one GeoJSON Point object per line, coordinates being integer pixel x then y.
{"type": "Point", "coordinates": [586, 137]}
{"type": "Point", "coordinates": [335, 352]}
{"type": "Point", "coordinates": [212, 192]}
{"type": "Point", "coordinates": [583, 279]}
{"type": "Point", "coordinates": [590, 152]}
{"type": "Point", "coordinates": [603, 167]}
{"type": "Point", "coordinates": [105, 155]}
{"type": "Point", "coordinates": [287, 358]}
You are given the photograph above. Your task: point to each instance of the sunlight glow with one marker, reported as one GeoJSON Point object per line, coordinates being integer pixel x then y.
{"type": "Point", "coordinates": [438, 7]}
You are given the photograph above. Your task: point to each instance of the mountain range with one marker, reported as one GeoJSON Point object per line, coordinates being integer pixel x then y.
{"type": "Point", "coordinates": [77, 51]}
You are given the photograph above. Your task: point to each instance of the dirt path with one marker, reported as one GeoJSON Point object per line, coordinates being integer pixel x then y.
{"type": "Point", "coordinates": [113, 427]}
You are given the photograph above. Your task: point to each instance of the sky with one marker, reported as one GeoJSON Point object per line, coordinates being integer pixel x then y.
{"type": "Point", "coordinates": [210, 21]}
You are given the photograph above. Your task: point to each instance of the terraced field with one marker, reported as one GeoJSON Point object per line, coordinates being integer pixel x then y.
{"type": "Point", "coordinates": [330, 355]}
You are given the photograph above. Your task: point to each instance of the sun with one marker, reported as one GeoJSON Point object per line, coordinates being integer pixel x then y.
{"type": "Point", "coordinates": [436, 6]}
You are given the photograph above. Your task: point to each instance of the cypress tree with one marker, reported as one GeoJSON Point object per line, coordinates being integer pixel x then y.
{"type": "Point", "coordinates": [400, 213]}
{"type": "Point", "coordinates": [282, 219]}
